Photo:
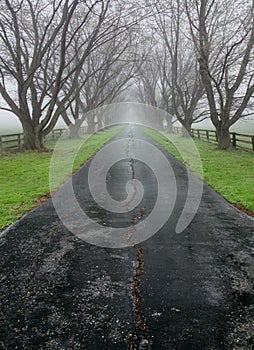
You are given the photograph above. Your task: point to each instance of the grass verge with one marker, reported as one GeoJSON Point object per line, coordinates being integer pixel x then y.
{"type": "Point", "coordinates": [24, 176]}
{"type": "Point", "coordinates": [230, 173]}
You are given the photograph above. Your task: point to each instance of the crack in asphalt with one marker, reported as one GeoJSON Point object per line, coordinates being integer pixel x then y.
{"type": "Point", "coordinates": [132, 169]}
{"type": "Point", "coordinates": [139, 338]}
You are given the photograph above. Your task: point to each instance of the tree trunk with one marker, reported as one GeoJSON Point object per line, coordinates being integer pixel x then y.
{"type": "Point", "coordinates": [186, 129]}
{"type": "Point", "coordinates": [90, 125]}
{"type": "Point", "coordinates": [169, 125]}
{"type": "Point", "coordinates": [74, 129]}
{"type": "Point", "coordinates": [223, 135]}
{"type": "Point", "coordinates": [33, 139]}
{"type": "Point", "coordinates": [159, 123]}
{"type": "Point", "coordinates": [100, 124]}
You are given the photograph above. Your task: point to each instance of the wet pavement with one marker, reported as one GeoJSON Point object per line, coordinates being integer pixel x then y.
{"type": "Point", "coordinates": [192, 290]}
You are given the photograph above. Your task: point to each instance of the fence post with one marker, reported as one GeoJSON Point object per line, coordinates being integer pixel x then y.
{"type": "Point", "coordinates": [252, 140]}
{"type": "Point", "coordinates": [234, 139]}
{"type": "Point", "coordinates": [19, 142]}
{"type": "Point", "coordinates": [1, 145]}
{"type": "Point", "coordinates": [198, 133]}
{"type": "Point", "coordinates": [207, 135]}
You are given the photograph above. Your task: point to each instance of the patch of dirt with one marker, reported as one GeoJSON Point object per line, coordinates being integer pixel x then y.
{"type": "Point", "coordinates": [38, 201]}
{"type": "Point", "coordinates": [243, 209]}
{"type": "Point", "coordinates": [42, 199]}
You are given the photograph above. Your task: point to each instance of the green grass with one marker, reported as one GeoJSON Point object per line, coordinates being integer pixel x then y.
{"type": "Point", "coordinates": [24, 176]}
{"type": "Point", "coordinates": [230, 173]}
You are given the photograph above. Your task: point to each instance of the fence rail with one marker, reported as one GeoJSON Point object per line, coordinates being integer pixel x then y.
{"type": "Point", "coordinates": [55, 134]}
{"type": "Point", "coordinates": [11, 141]}
{"type": "Point", "coordinates": [15, 141]}
{"type": "Point", "coordinates": [239, 141]}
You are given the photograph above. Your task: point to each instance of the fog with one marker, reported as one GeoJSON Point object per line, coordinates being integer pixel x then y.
{"type": "Point", "coordinates": [9, 123]}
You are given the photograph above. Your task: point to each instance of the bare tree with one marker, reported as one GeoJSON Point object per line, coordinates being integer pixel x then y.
{"type": "Point", "coordinates": [46, 43]}
{"type": "Point", "coordinates": [148, 86]}
{"type": "Point", "coordinates": [165, 89]}
{"type": "Point", "coordinates": [105, 75]}
{"type": "Point", "coordinates": [33, 34]}
{"type": "Point", "coordinates": [223, 35]}
{"type": "Point", "coordinates": [178, 64]}
{"type": "Point", "coordinates": [148, 82]}
{"type": "Point", "coordinates": [150, 89]}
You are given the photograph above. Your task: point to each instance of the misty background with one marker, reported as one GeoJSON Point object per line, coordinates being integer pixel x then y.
{"type": "Point", "coordinates": [9, 123]}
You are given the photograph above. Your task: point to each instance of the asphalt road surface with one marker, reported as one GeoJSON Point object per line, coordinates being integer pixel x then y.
{"type": "Point", "coordinates": [187, 291]}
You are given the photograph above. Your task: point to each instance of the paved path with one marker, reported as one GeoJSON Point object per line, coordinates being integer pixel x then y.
{"type": "Point", "coordinates": [173, 291]}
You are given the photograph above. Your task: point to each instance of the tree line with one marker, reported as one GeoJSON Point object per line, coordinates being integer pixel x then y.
{"type": "Point", "coordinates": [65, 58]}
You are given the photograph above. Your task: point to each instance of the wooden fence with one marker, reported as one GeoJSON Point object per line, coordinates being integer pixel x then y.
{"type": "Point", "coordinates": [15, 141]}
{"type": "Point", "coordinates": [55, 134]}
{"type": "Point", "coordinates": [11, 141]}
{"type": "Point", "coordinates": [239, 141]}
